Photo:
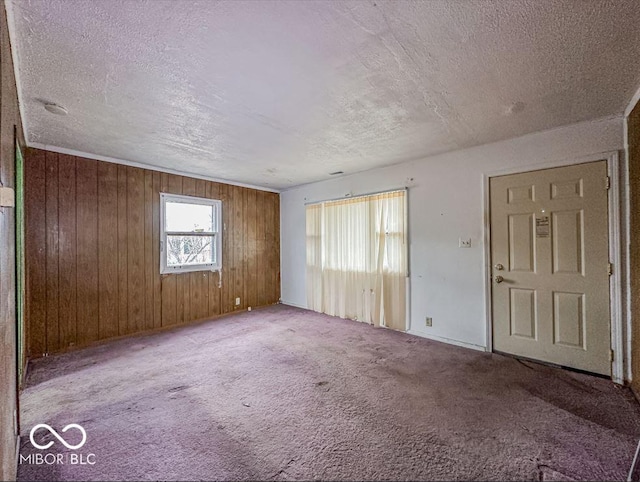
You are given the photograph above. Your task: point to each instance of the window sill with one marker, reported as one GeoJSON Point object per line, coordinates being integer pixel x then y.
{"type": "Point", "coordinates": [190, 269]}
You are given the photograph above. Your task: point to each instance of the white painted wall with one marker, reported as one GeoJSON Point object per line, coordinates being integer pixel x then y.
{"type": "Point", "coordinates": [445, 203]}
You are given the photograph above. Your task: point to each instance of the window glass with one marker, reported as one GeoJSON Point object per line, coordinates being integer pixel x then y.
{"type": "Point", "coordinates": [190, 234]}
{"type": "Point", "coordinates": [189, 218]}
{"type": "Point", "coordinates": [190, 250]}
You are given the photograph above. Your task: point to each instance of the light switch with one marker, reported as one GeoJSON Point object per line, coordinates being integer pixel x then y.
{"type": "Point", "coordinates": [7, 197]}
{"type": "Point", "coordinates": [464, 243]}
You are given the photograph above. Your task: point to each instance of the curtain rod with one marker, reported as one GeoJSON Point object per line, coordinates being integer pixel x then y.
{"type": "Point", "coordinates": [357, 196]}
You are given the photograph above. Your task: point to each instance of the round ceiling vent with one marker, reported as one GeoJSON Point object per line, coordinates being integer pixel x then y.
{"type": "Point", "coordinates": [56, 109]}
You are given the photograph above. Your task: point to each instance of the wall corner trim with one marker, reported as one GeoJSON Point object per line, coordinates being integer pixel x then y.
{"type": "Point", "coordinates": [632, 103]}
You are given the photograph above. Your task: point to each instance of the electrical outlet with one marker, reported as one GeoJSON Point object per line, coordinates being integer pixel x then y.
{"type": "Point", "coordinates": [7, 197]}
{"type": "Point", "coordinates": [428, 321]}
{"type": "Point", "coordinates": [464, 243]}
{"type": "Point", "coordinates": [237, 301]}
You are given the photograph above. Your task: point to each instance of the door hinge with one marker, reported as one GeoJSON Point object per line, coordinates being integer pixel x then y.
{"type": "Point", "coordinates": [610, 269]}
{"type": "Point", "coordinates": [611, 355]}
{"type": "Point", "coordinates": [607, 183]}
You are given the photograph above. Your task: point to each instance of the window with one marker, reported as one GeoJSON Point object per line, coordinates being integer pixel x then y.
{"type": "Point", "coordinates": [357, 258]}
{"type": "Point", "coordinates": [191, 238]}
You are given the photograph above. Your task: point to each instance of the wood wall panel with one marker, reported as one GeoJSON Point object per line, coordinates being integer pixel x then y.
{"type": "Point", "coordinates": [155, 246]}
{"type": "Point", "coordinates": [135, 249]}
{"type": "Point", "coordinates": [93, 252]}
{"type": "Point", "coordinates": [52, 247]}
{"type": "Point", "coordinates": [35, 251]}
{"type": "Point", "coordinates": [66, 251]}
{"type": "Point", "coordinates": [633, 130]}
{"type": "Point", "coordinates": [261, 237]}
{"type": "Point", "coordinates": [149, 268]}
{"type": "Point", "coordinates": [249, 238]}
{"type": "Point", "coordinates": [121, 252]}
{"type": "Point", "coordinates": [273, 241]}
{"type": "Point", "coordinates": [224, 275]}
{"type": "Point", "coordinates": [87, 322]}
{"type": "Point", "coordinates": [238, 246]}
{"type": "Point", "coordinates": [107, 245]}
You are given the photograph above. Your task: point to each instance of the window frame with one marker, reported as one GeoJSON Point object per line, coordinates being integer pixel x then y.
{"type": "Point", "coordinates": [216, 204]}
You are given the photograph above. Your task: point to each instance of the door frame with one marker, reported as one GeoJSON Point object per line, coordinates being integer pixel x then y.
{"type": "Point", "coordinates": [619, 322]}
{"type": "Point", "coordinates": [20, 262]}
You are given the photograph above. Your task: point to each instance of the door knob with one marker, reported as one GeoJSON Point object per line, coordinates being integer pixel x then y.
{"type": "Point", "coordinates": [499, 267]}
{"type": "Point", "coordinates": [499, 279]}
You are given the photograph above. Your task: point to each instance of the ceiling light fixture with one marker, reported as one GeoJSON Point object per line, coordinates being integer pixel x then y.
{"type": "Point", "coordinates": [56, 109]}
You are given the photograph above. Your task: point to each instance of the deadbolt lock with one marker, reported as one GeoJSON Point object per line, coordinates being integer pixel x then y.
{"type": "Point", "coordinates": [499, 267]}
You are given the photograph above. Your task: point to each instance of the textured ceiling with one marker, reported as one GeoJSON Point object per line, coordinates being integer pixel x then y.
{"type": "Point", "coordinates": [282, 93]}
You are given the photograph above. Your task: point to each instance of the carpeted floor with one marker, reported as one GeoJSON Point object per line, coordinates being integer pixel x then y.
{"type": "Point", "coordinates": [282, 393]}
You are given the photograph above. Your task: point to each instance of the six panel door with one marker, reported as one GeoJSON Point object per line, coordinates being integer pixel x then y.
{"type": "Point", "coordinates": [550, 280]}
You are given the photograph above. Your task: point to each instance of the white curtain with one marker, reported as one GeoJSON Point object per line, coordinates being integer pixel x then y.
{"type": "Point", "coordinates": [357, 258]}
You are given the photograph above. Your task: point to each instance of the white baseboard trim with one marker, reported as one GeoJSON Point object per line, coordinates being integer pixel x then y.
{"type": "Point", "coordinates": [295, 305]}
{"type": "Point", "coordinates": [449, 341]}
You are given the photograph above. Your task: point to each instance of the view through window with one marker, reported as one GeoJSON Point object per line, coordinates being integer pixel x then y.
{"type": "Point", "coordinates": [191, 239]}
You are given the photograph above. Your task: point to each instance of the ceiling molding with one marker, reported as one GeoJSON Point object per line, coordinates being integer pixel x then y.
{"type": "Point", "coordinates": [632, 103]}
{"type": "Point", "coordinates": [8, 6]}
{"type": "Point", "coordinates": [113, 160]}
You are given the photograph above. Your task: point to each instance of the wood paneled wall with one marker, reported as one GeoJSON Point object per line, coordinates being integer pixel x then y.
{"type": "Point", "coordinates": [633, 129]}
{"type": "Point", "coordinates": [93, 252]}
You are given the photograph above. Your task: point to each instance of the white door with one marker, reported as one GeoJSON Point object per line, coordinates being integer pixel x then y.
{"type": "Point", "coordinates": [550, 266]}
